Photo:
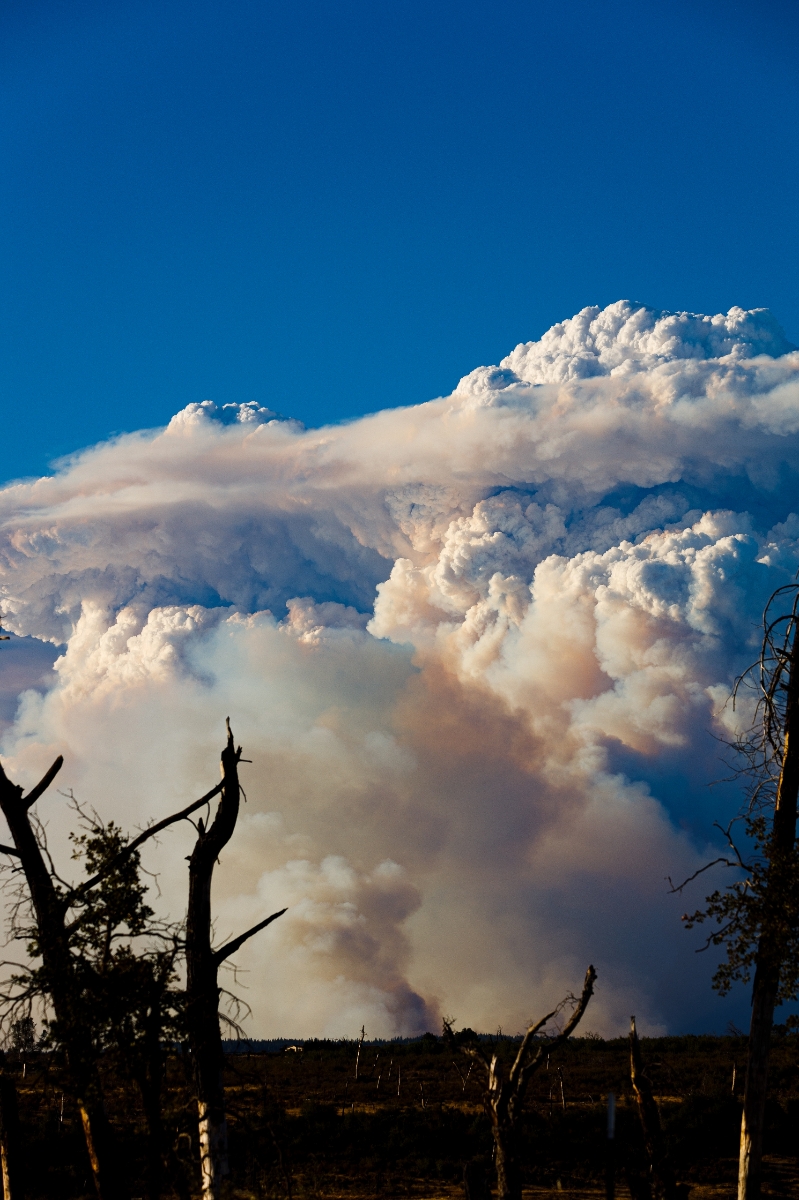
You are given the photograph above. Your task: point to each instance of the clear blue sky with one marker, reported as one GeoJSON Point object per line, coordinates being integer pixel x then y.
{"type": "Point", "coordinates": [333, 206]}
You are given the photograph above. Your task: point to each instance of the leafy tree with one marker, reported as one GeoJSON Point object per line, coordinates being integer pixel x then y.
{"type": "Point", "coordinates": [23, 1036]}
{"type": "Point", "coordinates": [125, 973]}
{"type": "Point", "coordinates": [130, 963]}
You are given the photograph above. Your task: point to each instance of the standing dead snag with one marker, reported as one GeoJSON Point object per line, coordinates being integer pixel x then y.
{"type": "Point", "coordinates": [202, 968]}
{"type": "Point", "coordinates": [504, 1095]}
{"type": "Point", "coordinates": [660, 1167]}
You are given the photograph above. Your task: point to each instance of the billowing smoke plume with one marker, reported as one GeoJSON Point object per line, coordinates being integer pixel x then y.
{"type": "Point", "coordinates": [478, 650]}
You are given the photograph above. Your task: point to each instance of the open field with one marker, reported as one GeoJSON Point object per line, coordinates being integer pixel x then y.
{"type": "Point", "coordinates": [301, 1124]}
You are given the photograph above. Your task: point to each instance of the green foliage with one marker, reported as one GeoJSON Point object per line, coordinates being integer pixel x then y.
{"type": "Point", "coordinates": [757, 915]}
{"type": "Point", "coordinates": [124, 961]}
{"type": "Point", "coordinates": [766, 899]}
{"type": "Point", "coordinates": [115, 908]}
{"type": "Point", "coordinates": [23, 1036]}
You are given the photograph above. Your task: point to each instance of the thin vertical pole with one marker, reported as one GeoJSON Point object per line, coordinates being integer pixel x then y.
{"type": "Point", "coordinates": [358, 1055]}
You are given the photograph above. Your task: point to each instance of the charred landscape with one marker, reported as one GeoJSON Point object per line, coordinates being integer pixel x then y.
{"type": "Point", "coordinates": [301, 1124]}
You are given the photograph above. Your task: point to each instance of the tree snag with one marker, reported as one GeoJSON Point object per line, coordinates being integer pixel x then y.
{"type": "Point", "coordinates": [202, 967]}
{"type": "Point", "coordinates": [504, 1095]}
{"type": "Point", "coordinates": [660, 1168]}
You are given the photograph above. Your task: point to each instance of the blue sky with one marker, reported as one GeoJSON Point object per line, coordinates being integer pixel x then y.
{"type": "Point", "coordinates": [334, 208]}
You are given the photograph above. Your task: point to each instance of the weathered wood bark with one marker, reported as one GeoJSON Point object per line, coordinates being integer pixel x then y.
{"type": "Point", "coordinates": [53, 942]}
{"type": "Point", "coordinates": [504, 1096]}
{"type": "Point", "coordinates": [202, 967]}
{"type": "Point", "coordinates": [11, 1156]}
{"type": "Point", "coordinates": [661, 1170]}
{"type": "Point", "coordinates": [771, 947]}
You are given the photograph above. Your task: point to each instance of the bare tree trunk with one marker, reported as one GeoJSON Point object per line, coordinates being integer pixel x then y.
{"type": "Point", "coordinates": [202, 987]}
{"type": "Point", "coordinates": [764, 995]}
{"type": "Point", "coordinates": [202, 992]}
{"type": "Point", "coordinates": [509, 1181]}
{"type": "Point", "coordinates": [770, 950]}
{"type": "Point", "coordinates": [97, 1135]}
{"type": "Point", "coordinates": [659, 1161]}
{"type": "Point", "coordinates": [11, 1158]}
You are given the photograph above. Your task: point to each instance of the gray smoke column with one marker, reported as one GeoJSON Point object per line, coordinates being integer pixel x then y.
{"type": "Point", "coordinates": [478, 649]}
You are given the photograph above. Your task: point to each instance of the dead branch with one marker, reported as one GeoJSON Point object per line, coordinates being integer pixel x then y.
{"type": "Point", "coordinates": [44, 783]}
{"type": "Point", "coordinates": [232, 946]}
{"type": "Point", "coordinates": [504, 1096]}
{"type": "Point", "coordinates": [114, 863]}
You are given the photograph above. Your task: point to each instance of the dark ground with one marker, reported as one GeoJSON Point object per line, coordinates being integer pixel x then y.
{"type": "Point", "coordinates": [301, 1125]}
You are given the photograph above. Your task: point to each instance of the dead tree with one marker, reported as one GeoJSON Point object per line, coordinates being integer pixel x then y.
{"type": "Point", "coordinates": [505, 1094]}
{"type": "Point", "coordinates": [51, 903]}
{"type": "Point", "coordinates": [660, 1169]}
{"type": "Point", "coordinates": [758, 915]}
{"type": "Point", "coordinates": [202, 968]}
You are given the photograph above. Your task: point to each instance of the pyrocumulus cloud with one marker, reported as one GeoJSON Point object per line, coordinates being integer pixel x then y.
{"type": "Point", "coordinates": [478, 650]}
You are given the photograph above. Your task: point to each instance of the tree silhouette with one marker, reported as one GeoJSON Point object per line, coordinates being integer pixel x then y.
{"type": "Point", "coordinates": [757, 914]}
{"type": "Point", "coordinates": [48, 913]}
{"type": "Point", "coordinates": [505, 1091]}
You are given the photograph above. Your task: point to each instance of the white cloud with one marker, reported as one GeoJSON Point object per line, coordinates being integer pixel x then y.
{"type": "Point", "coordinates": [496, 623]}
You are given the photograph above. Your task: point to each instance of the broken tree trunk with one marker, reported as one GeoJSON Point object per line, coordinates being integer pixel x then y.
{"type": "Point", "coordinates": [660, 1168]}
{"type": "Point", "coordinates": [202, 967]}
{"type": "Point", "coordinates": [504, 1095]}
